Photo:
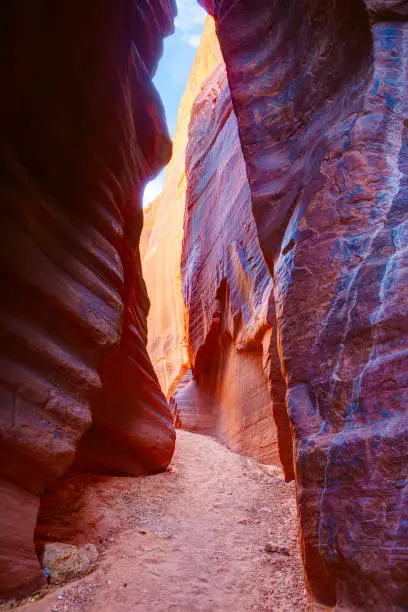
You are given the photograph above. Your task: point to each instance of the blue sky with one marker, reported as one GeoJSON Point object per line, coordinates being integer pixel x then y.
{"type": "Point", "coordinates": [174, 69]}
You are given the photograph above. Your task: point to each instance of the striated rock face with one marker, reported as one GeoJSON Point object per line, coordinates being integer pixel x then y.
{"type": "Point", "coordinates": [82, 130]}
{"type": "Point", "coordinates": [222, 328]}
{"type": "Point", "coordinates": [163, 232]}
{"type": "Point", "coordinates": [320, 93]}
{"type": "Point", "coordinates": [227, 290]}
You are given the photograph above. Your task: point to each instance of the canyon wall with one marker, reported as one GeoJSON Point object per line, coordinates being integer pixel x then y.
{"type": "Point", "coordinates": [227, 289]}
{"type": "Point", "coordinates": [163, 233]}
{"type": "Point", "coordinates": [82, 130]}
{"type": "Point", "coordinates": [319, 89]}
{"type": "Point", "coordinates": [212, 349]}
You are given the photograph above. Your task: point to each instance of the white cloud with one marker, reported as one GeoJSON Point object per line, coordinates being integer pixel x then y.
{"type": "Point", "coordinates": [152, 190]}
{"type": "Point", "coordinates": [193, 40]}
{"type": "Point", "coordinates": [190, 16]}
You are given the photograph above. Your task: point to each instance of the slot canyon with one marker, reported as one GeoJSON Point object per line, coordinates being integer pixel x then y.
{"type": "Point", "coordinates": [204, 401]}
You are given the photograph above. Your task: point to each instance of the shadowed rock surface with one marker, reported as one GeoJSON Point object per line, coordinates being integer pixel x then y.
{"type": "Point", "coordinates": [320, 89]}
{"type": "Point", "coordinates": [82, 129]}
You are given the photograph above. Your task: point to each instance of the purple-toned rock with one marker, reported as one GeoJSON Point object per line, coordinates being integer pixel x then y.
{"type": "Point", "coordinates": [320, 92]}
{"type": "Point", "coordinates": [387, 10]}
{"type": "Point", "coordinates": [227, 291]}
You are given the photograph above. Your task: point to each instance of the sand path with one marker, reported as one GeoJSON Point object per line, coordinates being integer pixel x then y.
{"type": "Point", "coordinates": [207, 521]}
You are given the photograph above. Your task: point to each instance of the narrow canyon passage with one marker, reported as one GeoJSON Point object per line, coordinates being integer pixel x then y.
{"type": "Point", "coordinates": [191, 538]}
{"type": "Point", "coordinates": [256, 299]}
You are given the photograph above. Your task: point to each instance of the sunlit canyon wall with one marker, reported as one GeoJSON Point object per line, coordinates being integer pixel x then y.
{"type": "Point", "coordinates": [82, 129]}
{"type": "Point", "coordinates": [319, 89]}
{"type": "Point", "coordinates": [162, 234]}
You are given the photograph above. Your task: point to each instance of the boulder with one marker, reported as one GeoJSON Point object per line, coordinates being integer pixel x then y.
{"type": "Point", "coordinates": [63, 562]}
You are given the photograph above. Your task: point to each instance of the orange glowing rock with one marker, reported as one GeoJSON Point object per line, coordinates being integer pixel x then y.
{"type": "Point", "coordinates": [163, 234]}
{"type": "Point", "coordinates": [222, 330]}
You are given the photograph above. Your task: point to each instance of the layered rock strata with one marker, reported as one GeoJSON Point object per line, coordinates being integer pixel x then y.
{"type": "Point", "coordinates": [222, 328]}
{"type": "Point", "coordinates": [227, 292]}
{"type": "Point", "coordinates": [320, 93]}
{"type": "Point", "coordinates": [163, 233]}
{"type": "Point", "coordinates": [82, 129]}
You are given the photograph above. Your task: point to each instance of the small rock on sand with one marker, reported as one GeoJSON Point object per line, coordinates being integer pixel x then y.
{"type": "Point", "coordinates": [65, 561]}
{"type": "Point", "coordinates": [271, 547]}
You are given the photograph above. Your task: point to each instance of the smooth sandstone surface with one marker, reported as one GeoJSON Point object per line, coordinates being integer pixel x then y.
{"type": "Point", "coordinates": [320, 94]}
{"type": "Point", "coordinates": [162, 235]}
{"type": "Point", "coordinates": [82, 129]}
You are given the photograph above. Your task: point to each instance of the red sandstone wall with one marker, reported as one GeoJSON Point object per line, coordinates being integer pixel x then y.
{"type": "Point", "coordinates": [82, 128]}
{"type": "Point", "coordinates": [227, 291]}
{"type": "Point", "coordinates": [320, 93]}
{"type": "Point", "coordinates": [228, 395]}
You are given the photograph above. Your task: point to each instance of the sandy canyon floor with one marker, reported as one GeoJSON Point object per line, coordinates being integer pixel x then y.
{"type": "Point", "coordinates": [191, 539]}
